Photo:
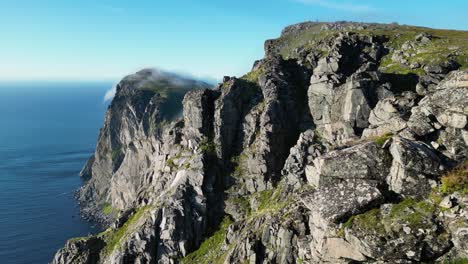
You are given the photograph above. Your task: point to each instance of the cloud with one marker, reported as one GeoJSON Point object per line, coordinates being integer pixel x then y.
{"type": "Point", "coordinates": [338, 5]}
{"type": "Point", "coordinates": [110, 94]}
{"type": "Point", "coordinates": [155, 75]}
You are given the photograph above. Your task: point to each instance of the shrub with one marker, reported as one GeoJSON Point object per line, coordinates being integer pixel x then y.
{"type": "Point", "coordinates": [211, 250]}
{"type": "Point", "coordinates": [456, 180]}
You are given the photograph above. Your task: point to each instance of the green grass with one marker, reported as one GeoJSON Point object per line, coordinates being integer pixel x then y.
{"type": "Point", "coordinates": [253, 75]}
{"type": "Point", "coordinates": [116, 153]}
{"type": "Point", "coordinates": [238, 161]}
{"type": "Point", "coordinates": [457, 261]}
{"type": "Point", "coordinates": [444, 43]}
{"type": "Point", "coordinates": [113, 238]}
{"type": "Point", "coordinates": [243, 204]}
{"type": "Point", "coordinates": [456, 180]}
{"type": "Point", "coordinates": [416, 214]}
{"type": "Point", "coordinates": [269, 200]}
{"type": "Point", "coordinates": [170, 162]}
{"type": "Point", "coordinates": [382, 139]}
{"type": "Point", "coordinates": [208, 147]}
{"type": "Point", "coordinates": [211, 250]}
{"type": "Point", "coordinates": [421, 212]}
{"type": "Point", "coordinates": [107, 209]}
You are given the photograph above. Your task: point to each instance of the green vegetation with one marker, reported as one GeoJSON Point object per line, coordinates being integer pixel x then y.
{"type": "Point", "coordinates": [445, 44]}
{"type": "Point", "coordinates": [457, 261]}
{"type": "Point", "coordinates": [456, 180]}
{"type": "Point", "coordinates": [208, 147]}
{"type": "Point", "coordinates": [253, 75]}
{"type": "Point", "coordinates": [113, 238]}
{"type": "Point", "coordinates": [161, 88]}
{"type": "Point", "coordinates": [238, 161]}
{"type": "Point", "coordinates": [416, 214]}
{"type": "Point", "coordinates": [369, 221]}
{"type": "Point", "coordinates": [382, 139]}
{"type": "Point", "coordinates": [243, 204]}
{"type": "Point", "coordinates": [170, 161]}
{"type": "Point", "coordinates": [211, 250]}
{"type": "Point", "coordinates": [116, 153]}
{"type": "Point", "coordinates": [306, 39]}
{"type": "Point", "coordinates": [268, 200]}
{"type": "Point", "coordinates": [107, 209]}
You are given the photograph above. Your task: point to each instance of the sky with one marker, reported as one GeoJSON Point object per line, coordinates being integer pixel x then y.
{"type": "Point", "coordinates": [105, 40]}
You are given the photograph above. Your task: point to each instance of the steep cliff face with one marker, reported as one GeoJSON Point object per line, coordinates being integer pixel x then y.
{"type": "Point", "coordinates": [130, 139]}
{"type": "Point", "coordinates": [347, 143]}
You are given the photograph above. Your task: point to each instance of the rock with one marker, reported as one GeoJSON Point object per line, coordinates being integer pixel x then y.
{"type": "Point", "coordinates": [384, 239]}
{"type": "Point", "coordinates": [300, 156]}
{"type": "Point", "coordinates": [446, 202]}
{"type": "Point", "coordinates": [423, 37]}
{"type": "Point", "coordinates": [415, 168]}
{"type": "Point", "coordinates": [366, 162]}
{"type": "Point", "coordinates": [318, 155]}
{"type": "Point", "coordinates": [198, 114]}
{"type": "Point", "coordinates": [81, 250]}
{"type": "Point", "coordinates": [444, 110]}
{"type": "Point", "coordinates": [332, 204]}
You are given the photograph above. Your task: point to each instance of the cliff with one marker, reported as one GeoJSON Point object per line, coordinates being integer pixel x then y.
{"type": "Point", "coordinates": [346, 143]}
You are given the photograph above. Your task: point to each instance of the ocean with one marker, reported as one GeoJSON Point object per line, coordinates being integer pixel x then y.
{"type": "Point", "coordinates": [47, 132]}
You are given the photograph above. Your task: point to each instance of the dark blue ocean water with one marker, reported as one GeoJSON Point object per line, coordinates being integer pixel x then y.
{"type": "Point", "coordinates": [47, 131]}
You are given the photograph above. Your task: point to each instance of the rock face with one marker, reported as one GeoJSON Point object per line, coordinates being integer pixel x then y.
{"type": "Point", "coordinates": [342, 145]}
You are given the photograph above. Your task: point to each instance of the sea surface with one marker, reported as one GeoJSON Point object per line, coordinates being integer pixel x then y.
{"type": "Point", "coordinates": [47, 132]}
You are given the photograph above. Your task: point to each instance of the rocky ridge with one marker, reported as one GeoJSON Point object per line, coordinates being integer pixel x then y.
{"type": "Point", "coordinates": [346, 143]}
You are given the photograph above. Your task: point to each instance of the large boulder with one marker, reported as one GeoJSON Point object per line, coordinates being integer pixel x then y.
{"type": "Point", "coordinates": [364, 162]}
{"type": "Point", "coordinates": [444, 114]}
{"type": "Point", "coordinates": [415, 168]}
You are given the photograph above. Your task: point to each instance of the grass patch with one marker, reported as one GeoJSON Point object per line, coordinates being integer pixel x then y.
{"type": "Point", "coordinates": [456, 180]}
{"type": "Point", "coordinates": [382, 139]}
{"type": "Point", "coordinates": [238, 161]}
{"type": "Point", "coordinates": [115, 153]}
{"type": "Point", "coordinates": [415, 214]}
{"type": "Point", "coordinates": [253, 75]}
{"type": "Point", "coordinates": [416, 217]}
{"type": "Point", "coordinates": [170, 161]}
{"type": "Point", "coordinates": [243, 203]}
{"type": "Point", "coordinates": [370, 221]}
{"type": "Point", "coordinates": [446, 44]}
{"type": "Point", "coordinates": [107, 209]}
{"type": "Point", "coordinates": [113, 238]}
{"type": "Point", "coordinates": [268, 200]}
{"type": "Point", "coordinates": [211, 250]}
{"type": "Point", "coordinates": [208, 147]}
{"type": "Point", "coordinates": [457, 261]}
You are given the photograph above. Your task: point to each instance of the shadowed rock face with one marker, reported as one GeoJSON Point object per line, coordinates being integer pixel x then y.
{"type": "Point", "coordinates": [331, 150]}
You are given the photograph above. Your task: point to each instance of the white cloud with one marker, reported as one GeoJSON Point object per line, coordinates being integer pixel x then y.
{"type": "Point", "coordinates": [110, 94]}
{"type": "Point", "coordinates": [338, 5]}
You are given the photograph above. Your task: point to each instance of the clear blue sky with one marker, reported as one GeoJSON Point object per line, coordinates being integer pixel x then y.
{"type": "Point", "coordinates": [104, 40]}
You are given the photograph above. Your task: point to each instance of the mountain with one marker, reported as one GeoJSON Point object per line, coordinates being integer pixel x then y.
{"type": "Point", "coordinates": [346, 143]}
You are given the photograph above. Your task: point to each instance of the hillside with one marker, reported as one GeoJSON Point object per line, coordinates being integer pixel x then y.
{"type": "Point", "coordinates": [346, 143]}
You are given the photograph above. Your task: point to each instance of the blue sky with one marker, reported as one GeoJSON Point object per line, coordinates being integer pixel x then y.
{"type": "Point", "coordinates": [104, 40]}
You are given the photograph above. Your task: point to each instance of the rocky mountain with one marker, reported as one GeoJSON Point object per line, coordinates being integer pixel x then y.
{"type": "Point", "coordinates": [346, 143]}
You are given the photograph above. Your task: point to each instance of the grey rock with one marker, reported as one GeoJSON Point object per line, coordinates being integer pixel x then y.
{"type": "Point", "coordinates": [366, 162]}
{"type": "Point", "coordinates": [415, 168]}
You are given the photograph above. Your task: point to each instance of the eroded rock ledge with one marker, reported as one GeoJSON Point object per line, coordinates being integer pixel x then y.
{"type": "Point", "coordinates": [347, 143]}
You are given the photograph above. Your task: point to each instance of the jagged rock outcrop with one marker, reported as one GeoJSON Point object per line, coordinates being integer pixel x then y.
{"type": "Point", "coordinates": [342, 145]}
{"type": "Point", "coordinates": [130, 139]}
